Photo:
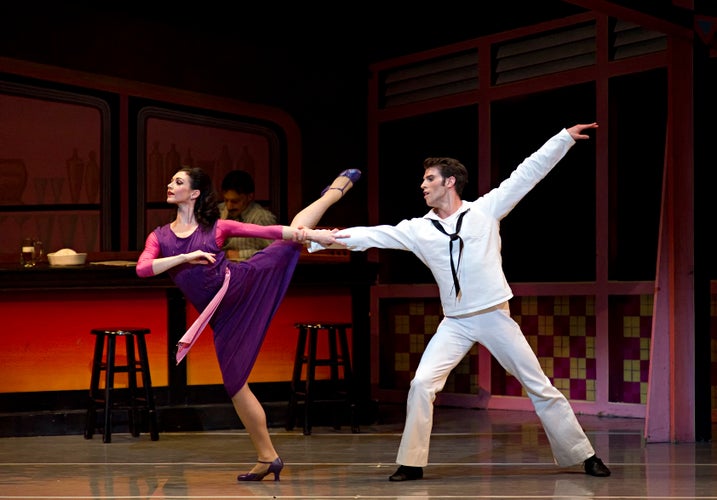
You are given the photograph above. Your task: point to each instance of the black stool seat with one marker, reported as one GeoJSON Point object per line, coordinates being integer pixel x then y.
{"type": "Point", "coordinates": [340, 384]}
{"type": "Point", "coordinates": [106, 399]}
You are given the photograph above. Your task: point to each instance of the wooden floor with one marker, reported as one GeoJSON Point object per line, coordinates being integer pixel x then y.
{"type": "Point", "coordinates": [474, 454]}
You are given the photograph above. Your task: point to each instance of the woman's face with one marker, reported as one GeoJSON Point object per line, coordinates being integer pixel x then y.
{"type": "Point", "coordinates": [179, 189]}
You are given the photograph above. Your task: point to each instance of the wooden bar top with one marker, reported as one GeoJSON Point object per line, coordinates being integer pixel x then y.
{"type": "Point", "coordinates": [112, 273]}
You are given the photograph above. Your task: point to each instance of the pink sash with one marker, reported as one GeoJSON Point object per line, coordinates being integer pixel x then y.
{"type": "Point", "coordinates": [191, 336]}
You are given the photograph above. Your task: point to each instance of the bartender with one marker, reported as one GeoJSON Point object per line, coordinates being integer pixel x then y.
{"type": "Point", "coordinates": [239, 204]}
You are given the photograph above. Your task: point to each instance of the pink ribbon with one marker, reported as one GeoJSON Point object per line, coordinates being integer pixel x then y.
{"type": "Point", "coordinates": [191, 335]}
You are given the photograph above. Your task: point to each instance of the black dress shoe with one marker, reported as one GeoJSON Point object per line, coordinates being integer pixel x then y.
{"type": "Point", "coordinates": [408, 473]}
{"type": "Point", "coordinates": [595, 467]}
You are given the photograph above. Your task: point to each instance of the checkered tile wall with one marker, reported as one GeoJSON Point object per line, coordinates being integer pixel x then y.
{"type": "Point", "coordinates": [561, 331]}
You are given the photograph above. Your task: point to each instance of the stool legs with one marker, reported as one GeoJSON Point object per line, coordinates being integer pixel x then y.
{"type": "Point", "coordinates": [296, 378]}
{"type": "Point", "coordinates": [137, 361]}
{"type": "Point", "coordinates": [109, 388]}
{"type": "Point", "coordinates": [348, 378]}
{"type": "Point", "coordinates": [310, 377]}
{"type": "Point", "coordinates": [306, 354]}
{"type": "Point", "coordinates": [148, 392]}
{"type": "Point", "coordinates": [94, 386]}
{"type": "Point", "coordinates": [132, 384]}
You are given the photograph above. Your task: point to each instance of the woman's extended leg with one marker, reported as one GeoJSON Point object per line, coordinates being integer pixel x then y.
{"type": "Point", "coordinates": [248, 408]}
{"type": "Point", "coordinates": [252, 415]}
{"type": "Point", "coordinates": [311, 215]}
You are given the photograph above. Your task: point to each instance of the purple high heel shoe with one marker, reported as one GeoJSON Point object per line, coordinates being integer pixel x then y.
{"type": "Point", "coordinates": [352, 174]}
{"type": "Point", "coordinates": [274, 467]}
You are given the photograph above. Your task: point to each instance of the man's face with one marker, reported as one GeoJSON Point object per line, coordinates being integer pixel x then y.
{"type": "Point", "coordinates": [236, 203]}
{"type": "Point", "coordinates": [434, 187]}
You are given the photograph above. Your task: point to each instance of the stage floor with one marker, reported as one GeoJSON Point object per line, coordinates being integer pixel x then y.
{"type": "Point", "coordinates": [485, 454]}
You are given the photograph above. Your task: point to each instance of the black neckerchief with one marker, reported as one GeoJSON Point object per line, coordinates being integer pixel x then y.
{"type": "Point", "coordinates": [453, 237]}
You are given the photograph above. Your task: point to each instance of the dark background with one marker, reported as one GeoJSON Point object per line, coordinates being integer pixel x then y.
{"type": "Point", "coordinates": [310, 59]}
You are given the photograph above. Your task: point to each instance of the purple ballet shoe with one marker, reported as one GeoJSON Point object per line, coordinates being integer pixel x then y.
{"type": "Point", "coordinates": [352, 174]}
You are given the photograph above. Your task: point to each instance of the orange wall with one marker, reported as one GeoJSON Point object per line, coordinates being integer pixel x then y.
{"type": "Point", "coordinates": [47, 345]}
{"type": "Point", "coordinates": [276, 358]}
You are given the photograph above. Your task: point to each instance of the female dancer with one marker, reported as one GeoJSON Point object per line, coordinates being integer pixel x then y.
{"type": "Point", "coordinates": [238, 299]}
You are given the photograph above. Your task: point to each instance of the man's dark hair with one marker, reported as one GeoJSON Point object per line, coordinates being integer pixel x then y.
{"type": "Point", "coordinates": [449, 167]}
{"type": "Point", "coordinates": [239, 181]}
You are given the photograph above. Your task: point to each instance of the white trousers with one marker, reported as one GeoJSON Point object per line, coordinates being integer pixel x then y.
{"type": "Point", "coordinates": [501, 335]}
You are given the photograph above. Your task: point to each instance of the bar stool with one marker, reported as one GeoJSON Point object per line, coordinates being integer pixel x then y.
{"type": "Point", "coordinates": [340, 386]}
{"type": "Point", "coordinates": [104, 399]}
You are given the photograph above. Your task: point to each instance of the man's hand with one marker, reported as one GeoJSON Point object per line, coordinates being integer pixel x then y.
{"type": "Point", "coordinates": [576, 130]}
{"type": "Point", "coordinates": [326, 237]}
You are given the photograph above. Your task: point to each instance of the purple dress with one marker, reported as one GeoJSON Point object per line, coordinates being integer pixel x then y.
{"type": "Point", "coordinates": [256, 289]}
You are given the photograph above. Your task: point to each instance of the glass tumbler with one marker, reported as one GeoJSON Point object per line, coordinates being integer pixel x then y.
{"type": "Point", "coordinates": [39, 252]}
{"type": "Point", "coordinates": [27, 253]}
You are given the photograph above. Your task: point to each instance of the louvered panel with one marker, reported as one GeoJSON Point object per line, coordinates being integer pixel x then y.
{"type": "Point", "coordinates": [426, 68]}
{"type": "Point", "coordinates": [437, 77]}
{"type": "Point", "coordinates": [631, 40]}
{"type": "Point", "coordinates": [557, 51]}
{"type": "Point", "coordinates": [640, 49]}
{"type": "Point", "coordinates": [636, 36]}
{"type": "Point", "coordinates": [432, 93]}
{"type": "Point", "coordinates": [546, 56]}
{"type": "Point", "coordinates": [585, 32]}
{"type": "Point", "coordinates": [535, 71]}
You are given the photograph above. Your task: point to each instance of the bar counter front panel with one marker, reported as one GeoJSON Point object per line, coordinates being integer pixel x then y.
{"type": "Point", "coordinates": [49, 312]}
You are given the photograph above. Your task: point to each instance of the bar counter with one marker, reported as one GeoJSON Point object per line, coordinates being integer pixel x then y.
{"type": "Point", "coordinates": [96, 275]}
{"type": "Point", "coordinates": [49, 312]}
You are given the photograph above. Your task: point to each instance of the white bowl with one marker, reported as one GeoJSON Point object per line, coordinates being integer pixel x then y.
{"type": "Point", "coordinates": [77, 259]}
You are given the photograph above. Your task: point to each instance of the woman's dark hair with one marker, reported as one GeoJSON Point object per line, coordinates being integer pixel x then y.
{"type": "Point", "coordinates": [449, 167]}
{"type": "Point", "coordinates": [206, 208]}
